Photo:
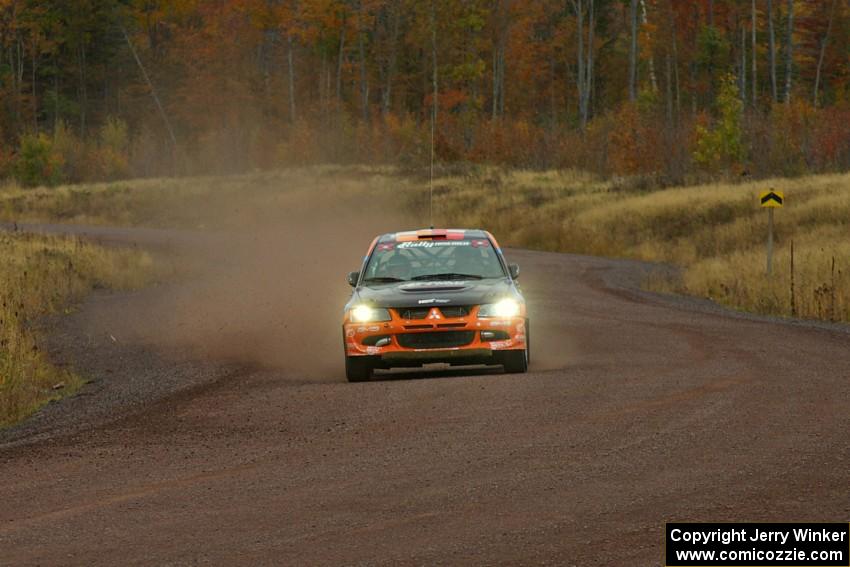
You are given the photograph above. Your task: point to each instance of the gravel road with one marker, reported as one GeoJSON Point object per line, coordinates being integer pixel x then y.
{"type": "Point", "coordinates": [639, 409]}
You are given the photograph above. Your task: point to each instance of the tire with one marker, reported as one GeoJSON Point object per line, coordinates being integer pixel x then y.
{"type": "Point", "coordinates": [358, 368]}
{"type": "Point", "coordinates": [515, 361]}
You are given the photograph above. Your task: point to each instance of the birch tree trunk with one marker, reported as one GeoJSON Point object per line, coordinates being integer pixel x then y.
{"type": "Point", "coordinates": [771, 32]}
{"type": "Point", "coordinates": [584, 62]}
{"type": "Point", "coordinates": [674, 34]}
{"type": "Point", "coordinates": [743, 63]}
{"type": "Point", "coordinates": [578, 6]}
{"type": "Point", "coordinates": [668, 91]}
{"type": "Point", "coordinates": [499, 46]}
{"type": "Point", "coordinates": [364, 79]}
{"type": "Point", "coordinates": [789, 51]}
{"type": "Point", "coordinates": [588, 85]}
{"type": "Point", "coordinates": [493, 109]}
{"type": "Point", "coordinates": [386, 96]}
{"type": "Point", "coordinates": [500, 106]}
{"type": "Point", "coordinates": [822, 54]}
{"type": "Point", "coordinates": [339, 62]}
{"type": "Point", "coordinates": [17, 68]}
{"type": "Point", "coordinates": [34, 89]}
{"type": "Point", "coordinates": [652, 78]}
{"type": "Point", "coordinates": [291, 73]}
{"type": "Point", "coordinates": [633, 52]}
{"type": "Point", "coordinates": [323, 83]}
{"type": "Point", "coordinates": [83, 92]}
{"type": "Point", "coordinates": [754, 70]}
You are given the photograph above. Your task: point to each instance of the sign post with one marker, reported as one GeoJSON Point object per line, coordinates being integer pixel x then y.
{"type": "Point", "coordinates": [771, 200]}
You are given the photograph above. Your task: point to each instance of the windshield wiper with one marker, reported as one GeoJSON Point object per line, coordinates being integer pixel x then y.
{"type": "Point", "coordinates": [450, 275]}
{"type": "Point", "coordinates": [383, 279]}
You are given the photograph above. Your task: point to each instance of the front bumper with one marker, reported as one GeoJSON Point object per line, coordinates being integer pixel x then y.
{"type": "Point", "coordinates": [487, 336]}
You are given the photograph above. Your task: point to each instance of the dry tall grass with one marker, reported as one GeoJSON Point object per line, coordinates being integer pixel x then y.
{"type": "Point", "coordinates": [41, 275]}
{"type": "Point", "coordinates": [717, 232]}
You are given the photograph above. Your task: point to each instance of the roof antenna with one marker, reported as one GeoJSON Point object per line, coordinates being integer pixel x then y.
{"type": "Point", "coordinates": [433, 112]}
{"type": "Point", "coordinates": [431, 175]}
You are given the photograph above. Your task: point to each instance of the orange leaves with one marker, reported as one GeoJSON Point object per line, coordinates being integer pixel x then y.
{"type": "Point", "coordinates": [634, 142]}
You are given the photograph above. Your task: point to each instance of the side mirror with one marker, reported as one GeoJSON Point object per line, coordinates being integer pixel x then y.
{"type": "Point", "coordinates": [352, 278]}
{"type": "Point", "coordinates": [514, 270]}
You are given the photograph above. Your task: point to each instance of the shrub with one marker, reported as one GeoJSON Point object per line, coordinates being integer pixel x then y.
{"type": "Point", "coordinates": [634, 141]}
{"type": "Point", "coordinates": [72, 152]}
{"type": "Point", "coordinates": [7, 161]}
{"type": "Point", "coordinates": [791, 130]}
{"type": "Point", "coordinates": [110, 159]}
{"type": "Point", "coordinates": [37, 163]}
{"type": "Point", "coordinates": [722, 145]}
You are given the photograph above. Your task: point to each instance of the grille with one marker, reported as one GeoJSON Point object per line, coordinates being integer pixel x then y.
{"type": "Point", "coordinates": [448, 311]}
{"type": "Point", "coordinates": [454, 311]}
{"type": "Point", "coordinates": [444, 339]}
{"type": "Point", "coordinates": [414, 312]}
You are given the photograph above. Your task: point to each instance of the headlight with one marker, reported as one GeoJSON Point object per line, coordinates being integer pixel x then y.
{"type": "Point", "coordinates": [504, 308]}
{"type": "Point", "coordinates": [366, 314]}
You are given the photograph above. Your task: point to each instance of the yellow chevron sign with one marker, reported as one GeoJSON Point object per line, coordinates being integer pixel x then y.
{"type": "Point", "coordinates": [773, 199]}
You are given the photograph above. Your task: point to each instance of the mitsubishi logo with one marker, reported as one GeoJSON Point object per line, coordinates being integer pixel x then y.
{"type": "Point", "coordinates": [435, 314]}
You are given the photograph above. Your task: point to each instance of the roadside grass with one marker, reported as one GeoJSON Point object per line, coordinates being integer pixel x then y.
{"type": "Point", "coordinates": [716, 232]}
{"type": "Point", "coordinates": [196, 203]}
{"type": "Point", "coordinates": [42, 275]}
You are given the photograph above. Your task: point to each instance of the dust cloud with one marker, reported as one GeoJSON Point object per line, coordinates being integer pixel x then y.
{"type": "Point", "coordinates": [269, 292]}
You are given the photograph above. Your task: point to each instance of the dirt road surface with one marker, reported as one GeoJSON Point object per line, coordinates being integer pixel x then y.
{"type": "Point", "coordinates": [639, 409]}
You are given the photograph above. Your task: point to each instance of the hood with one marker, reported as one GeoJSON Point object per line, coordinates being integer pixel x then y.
{"type": "Point", "coordinates": [415, 294]}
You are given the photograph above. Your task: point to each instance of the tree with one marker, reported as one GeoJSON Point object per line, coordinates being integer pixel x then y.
{"type": "Point", "coordinates": [584, 66]}
{"type": "Point", "coordinates": [722, 145]}
{"type": "Point", "coordinates": [772, 51]}
{"type": "Point", "coordinates": [633, 50]}
{"type": "Point", "coordinates": [789, 51]}
{"type": "Point", "coordinates": [822, 54]}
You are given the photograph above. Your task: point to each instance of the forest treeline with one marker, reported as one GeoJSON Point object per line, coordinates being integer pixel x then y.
{"type": "Point", "coordinates": [104, 89]}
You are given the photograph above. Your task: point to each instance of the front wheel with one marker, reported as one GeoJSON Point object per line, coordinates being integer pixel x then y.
{"type": "Point", "coordinates": [515, 361]}
{"type": "Point", "coordinates": [358, 368]}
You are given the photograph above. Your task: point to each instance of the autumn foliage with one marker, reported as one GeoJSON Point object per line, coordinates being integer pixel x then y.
{"type": "Point", "coordinates": [107, 89]}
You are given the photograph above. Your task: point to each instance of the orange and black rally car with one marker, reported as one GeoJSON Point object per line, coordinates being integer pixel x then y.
{"type": "Point", "coordinates": [434, 296]}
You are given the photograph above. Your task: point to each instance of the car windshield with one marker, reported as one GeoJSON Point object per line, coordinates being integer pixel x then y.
{"type": "Point", "coordinates": [473, 258]}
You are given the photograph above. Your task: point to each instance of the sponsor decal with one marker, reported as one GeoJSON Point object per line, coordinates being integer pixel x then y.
{"type": "Point", "coordinates": [480, 244]}
{"type": "Point", "coordinates": [434, 243]}
{"type": "Point", "coordinates": [385, 246]}
{"type": "Point", "coordinates": [375, 328]}
{"type": "Point", "coordinates": [372, 350]}
{"type": "Point", "coordinates": [500, 344]}
{"type": "Point", "coordinates": [433, 300]}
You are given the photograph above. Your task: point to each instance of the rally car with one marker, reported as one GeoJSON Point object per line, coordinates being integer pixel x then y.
{"type": "Point", "coordinates": [434, 295]}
